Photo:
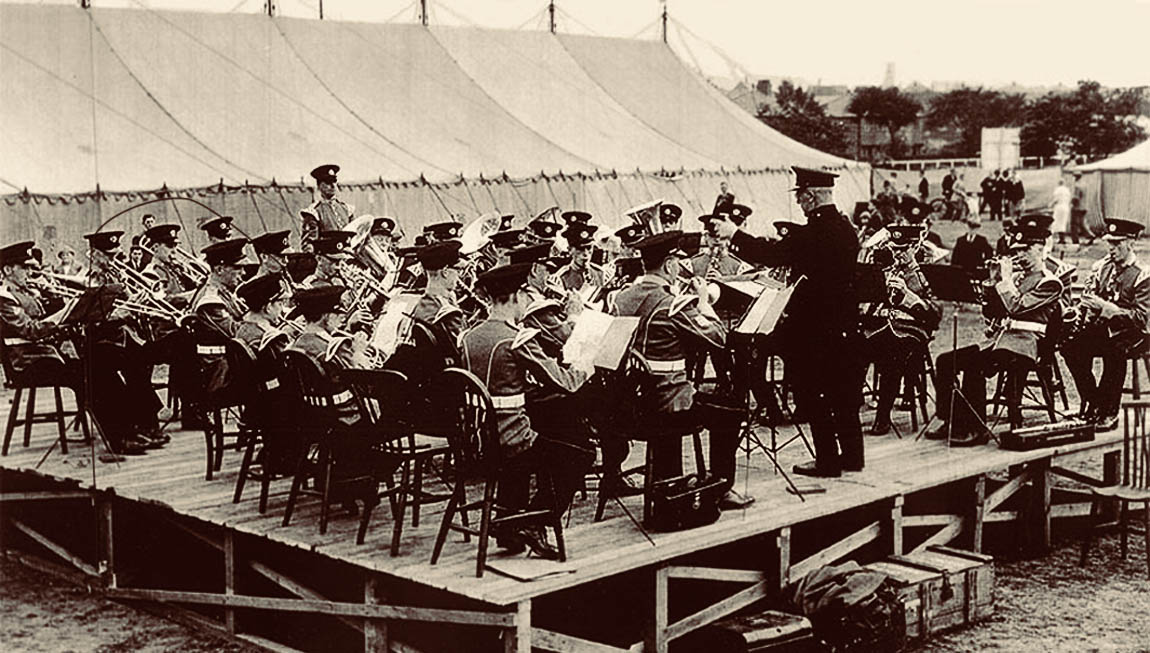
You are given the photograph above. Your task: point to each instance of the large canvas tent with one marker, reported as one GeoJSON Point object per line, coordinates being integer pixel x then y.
{"type": "Point", "coordinates": [103, 108]}
{"type": "Point", "coordinates": [1119, 186]}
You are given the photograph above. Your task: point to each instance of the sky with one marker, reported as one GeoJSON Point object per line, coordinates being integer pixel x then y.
{"type": "Point", "coordinates": [976, 42]}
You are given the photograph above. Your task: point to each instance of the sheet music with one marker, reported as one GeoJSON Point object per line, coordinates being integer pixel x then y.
{"type": "Point", "coordinates": [764, 315]}
{"type": "Point", "coordinates": [385, 337]}
{"type": "Point", "coordinates": [598, 340]}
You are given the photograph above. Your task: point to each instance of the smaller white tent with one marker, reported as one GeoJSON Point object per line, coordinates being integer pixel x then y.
{"type": "Point", "coordinates": [1119, 186]}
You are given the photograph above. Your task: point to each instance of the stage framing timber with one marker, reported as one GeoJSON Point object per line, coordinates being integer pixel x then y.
{"type": "Point", "coordinates": [151, 530]}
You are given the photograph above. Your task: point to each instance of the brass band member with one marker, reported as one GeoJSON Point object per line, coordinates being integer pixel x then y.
{"type": "Point", "coordinates": [716, 260]}
{"type": "Point", "coordinates": [320, 308]}
{"type": "Point", "coordinates": [37, 349]}
{"type": "Point", "coordinates": [905, 323]}
{"type": "Point", "coordinates": [1111, 322]}
{"type": "Point", "coordinates": [669, 325]}
{"type": "Point", "coordinates": [272, 251]}
{"type": "Point", "coordinates": [823, 360]}
{"type": "Point", "coordinates": [502, 243]}
{"type": "Point", "coordinates": [504, 355]}
{"type": "Point", "coordinates": [669, 216]}
{"type": "Point", "coordinates": [1029, 298]}
{"type": "Point", "coordinates": [262, 332]}
{"type": "Point", "coordinates": [215, 303]}
{"type": "Point", "coordinates": [628, 236]}
{"type": "Point", "coordinates": [218, 228]}
{"type": "Point", "coordinates": [542, 230]}
{"type": "Point", "coordinates": [178, 281]}
{"type": "Point", "coordinates": [439, 232]}
{"type": "Point", "coordinates": [580, 271]}
{"type": "Point", "coordinates": [328, 212]}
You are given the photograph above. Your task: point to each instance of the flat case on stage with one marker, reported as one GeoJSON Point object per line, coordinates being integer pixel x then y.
{"type": "Point", "coordinates": [941, 588]}
{"type": "Point", "coordinates": [776, 632]}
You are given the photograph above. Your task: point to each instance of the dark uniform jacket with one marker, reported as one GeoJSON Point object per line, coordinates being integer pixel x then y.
{"type": "Point", "coordinates": [723, 202]}
{"type": "Point", "coordinates": [508, 360]}
{"type": "Point", "coordinates": [419, 358]}
{"type": "Point", "coordinates": [1030, 304]}
{"type": "Point", "coordinates": [332, 354]}
{"type": "Point", "coordinates": [324, 215]}
{"type": "Point", "coordinates": [726, 266]}
{"type": "Point", "coordinates": [1128, 286]}
{"type": "Point", "coordinates": [26, 334]}
{"type": "Point", "coordinates": [970, 254]}
{"type": "Point", "coordinates": [218, 308]}
{"type": "Point", "coordinates": [669, 325]}
{"type": "Point", "coordinates": [548, 316]}
{"type": "Point", "coordinates": [173, 282]}
{"type": "Point", "coordinates": [572, 279]}
{"type": "Point", "coordinates": [825, 305]}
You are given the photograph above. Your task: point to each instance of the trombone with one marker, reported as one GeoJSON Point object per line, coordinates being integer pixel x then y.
{"type": "Point", "coordinates": [61, 285]}
{"type": "Point", "coordinates": [143, 291]}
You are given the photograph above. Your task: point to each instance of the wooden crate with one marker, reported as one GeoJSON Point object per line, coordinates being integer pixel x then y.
{"type": "Point", "coordinates": [941, 588]}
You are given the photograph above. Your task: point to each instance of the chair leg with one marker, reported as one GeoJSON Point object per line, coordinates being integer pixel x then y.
{"type": "Point", "coordinates": [1061, 384]}
{"type": "Point", "coordinates": [418, 485]}
{"type": "Point", "coordinates": [82, 416]}
{"type": "Point", "coordinates": [1122, 536]}
{"type": "Point", "coordinates": [245, 467]}
{"type": "Point", "coordinates": [399, 510]}
{"type": "Point", "coordinates": [1134, 372]}
{"type": "Point", "coordinates": [648, 481]}
{"type": "Point", "coordinates": [456, 499]}
{"type": "Point", "coordinates": [325, 508]}
{"type": "Point", "coordinates": [557, 524]}
{"type": "Point", "coordinates": [1044, 384]}
{"type": "Point", "coordinates": [29, 412]}
{"type": "Point", "coordinates": [1146, 533]}
{"type": "Point", "coordinates": [296, 483]}
{"type": "Point", "coordinates": [209, 443]}
{"type": "Point", "coordinates": [1088, 536]}
{"type": "Point", "coordinates": [607, 482]}
{"type": "Point", "coordinates": [10, 428]}
{"type": "Point", "coordinates": [265, 485]}
{"type": "Point", "coordinates": [60, 425]}
{"type": "Point", "coordinates": [368, 507]}
{"type": "Point", "coordinates": [218, 426]}
{"type": "Point", "coordinates": [484, 526]}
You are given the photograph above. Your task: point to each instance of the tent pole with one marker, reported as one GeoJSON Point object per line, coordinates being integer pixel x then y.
{"type": "Point", "coordinates": [664, 20]}
{"type": "Point", "coordinates": [321, 9]}
{"type": "Point", "coordinates": [423, 12]}
{"type": "Point", "coordinates": [551, 16]}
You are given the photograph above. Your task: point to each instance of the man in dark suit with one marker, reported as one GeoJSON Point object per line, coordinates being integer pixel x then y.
{"type": "Point", "coordinates": [948, 184]}
{"type": "Point", "coordinates": [971, 250]}
{"type": "Point", "coordinates": [824, 363]}
{"type": "Point", "coordinates": [923, 186]}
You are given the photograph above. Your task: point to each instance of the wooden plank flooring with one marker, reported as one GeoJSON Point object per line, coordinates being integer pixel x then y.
{"type": "Point", "coordinates": [173, 477]}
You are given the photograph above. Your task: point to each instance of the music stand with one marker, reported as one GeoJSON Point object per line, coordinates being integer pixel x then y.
{"type": "Point", "coordinates": [870, 283]}
{"type": "Point", "coordinates": [951, 283]}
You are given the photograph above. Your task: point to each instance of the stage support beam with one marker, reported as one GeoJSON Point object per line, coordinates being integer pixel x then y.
{"type": "Point", "coordinates": [64, 554]}
{"type": "Point", "coordinates": [979, 515]}
{"type": "Point", "coordinates": [107, 561]}
{"type": "Point", "coordinates": [1040, 504]}
{"type": "Point", "coordinates": [783, 562]}
{"type": "Point", "coordinates": [859, 538]}
{"type": "Point", "coordinates": [517, 638]}
{"type": "Point", "coordinates": [230, 578]}
{"type": "Point", "coordinates": [896, 525]}
{"type": "Point", "coordinates": [656, 640]}
{"type": "Point", "coordinates": [375, 638]}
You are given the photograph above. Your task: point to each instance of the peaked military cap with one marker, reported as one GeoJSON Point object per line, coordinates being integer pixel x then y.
{"type": "Point", "coordinates": [507, 239]}
{"type": "Point", "coordinates": [691, 243]}
{"type": "Point", "coordinates": [506, 221]}
{"type": "Point", "coordinates": [261, 290]}
{"type": "Point", "coordinates": [572, 217]}
{"type": "Point", "coordinates": [17, 254]}
{"type": "Point", "coordinates": [326, 172]}
{"type": "Point", "coordinates": [105, 241]}
{"type": "Point", "coordinates": [228, 252]}
{"type": "Point", "coordinates": [504, 280]}
{"type": "Point", "coordinates": [443, 230]}
{"type": "Point", "coordinates": [630, 235]}
{"type": "Point", "coordinates": [655, 249]}
{"type": "Point", "coordinates": [1121, 228]}
{"type": "Point", "coordinates": [810, 178]}
{"type": "Point", "coordinates": [272, 242]}
{"type": "Point", "coordinates": [217, 226]}
{"type": "Point", "coordinates": [535, 254]}
{"type": "Point", "coordinates": [313, 302]}
{"type": "Point", "coordinates": [669, 213]}
{"type": "Point", "coordinates": [544, 229]}
{"type": "Point", "coordinates": [384, 225]}
{"type": "Point", "coordinates": [1032, 229]}
{"type": "Point", "coordinates": [437, 256]}
{"type": "Point", "coordinates": [580, 234]}
{"type": "Point", "coordinates": [332, 244]}
{"type": "Point", "coordinates": [162, 234]}
{"type": "Point", "coordinates": [903, 235]}
{"type": "Point", "coordinates": [786, 229]}
{"type": "Point", "coordinates": [739, 214]}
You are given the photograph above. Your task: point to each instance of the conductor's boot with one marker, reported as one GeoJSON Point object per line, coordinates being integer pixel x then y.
{"type": "Point", "coordinates": [818, 471]}
{"type": "Point", "coordinates": [939, 432]}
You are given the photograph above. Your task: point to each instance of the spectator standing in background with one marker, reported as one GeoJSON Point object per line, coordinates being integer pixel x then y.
{"type": "Point", "coordinates": [948, 184]}
{"type": "Point", "coordinates": [971, 250]}
{"type": "Point", "coordinates": [68, 263]}
{"type": "Point", "coordinates": [1015, 194]}
{"type": "Point", "coordinates": [1060, 204]}
{"type": "Point", "coordinates": [998, 194]}
{"type": "Point", "coordinates": [1078, 211]}
{"type": "Point", "coordinates": [923, 186]}
{"type": "Point", "coordinates": [987, 190]}
{"type": "Point", "coordinates": [724, 201]}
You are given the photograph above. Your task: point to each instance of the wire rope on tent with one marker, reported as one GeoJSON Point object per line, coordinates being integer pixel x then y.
{"type": "Point", "coordinates": [554, 197]}
{"type": "Point", "coordinates": [467, 187]}
{"type": "Point", "coordinates": [283, 94]}
{"type": "Point", "coordinates": [252, 194]}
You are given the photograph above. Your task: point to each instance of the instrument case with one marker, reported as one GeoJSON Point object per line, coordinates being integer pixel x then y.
{"type": "Point", "coordinates": [776, 632]}
{"type": "Point", "coordinates": [941, 588]}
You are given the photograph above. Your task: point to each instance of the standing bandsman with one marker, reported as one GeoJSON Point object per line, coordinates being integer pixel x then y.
{"type": "Point", "coordinates": [1022, 305]}
{"type": "Point", "coordinates": [218, 228]}
{"type": "Point", "coordinates": [669, 325]}
{"type": "Point", "coordinates": [580, 271]}
{"type": "Point", "coordinates": [328, 212]}
{"type": "Point", "coordinates": [1112, 322]}
{"type": "Point", "coordinates": [822, 325]}
{"type": "Point", "coordinates": [509, 359]}
{"type": "Point", "coordinates": [725, 199]}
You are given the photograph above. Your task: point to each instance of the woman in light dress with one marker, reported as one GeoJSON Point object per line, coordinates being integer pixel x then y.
{"type": "Point", "coordinates": [1060, 204]}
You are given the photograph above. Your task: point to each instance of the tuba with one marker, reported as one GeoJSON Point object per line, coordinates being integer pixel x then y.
{"type": "Point", "coordinates": [646, 215]}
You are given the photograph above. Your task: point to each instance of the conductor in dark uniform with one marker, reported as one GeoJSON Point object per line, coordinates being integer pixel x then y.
{"type": "Point", "coordinates": [822, 327]}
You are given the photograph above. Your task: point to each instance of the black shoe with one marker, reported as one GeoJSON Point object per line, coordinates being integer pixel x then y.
{"type": "Point", "coordinates": [1107, 422]}
{"type": "Point", "coordinates": [973, 439]}
{"type": "Point", "coordinates": [813, 469]}
{"type": "Point", "coordinates": [880, 427]}
{"type": "Point", "coordinates": [536, 539]}
{"type": "Point", "coordinates": [732, 500]}
{"type": "Point", "coordinates": [109, 457]}
{"type": "Point", "coordinates": [132, 447]}
{"type": "Point", "coordinates": [510, 541]}
{"type": "Point", "coordinates": [853, 467]}
{"type": "Point", "coordinates": [938, 433]}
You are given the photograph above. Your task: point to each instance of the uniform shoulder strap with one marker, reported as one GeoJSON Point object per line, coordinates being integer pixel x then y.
{"type": "Point", "coordinates": [681, 302]}
{"type": "Point", "coordinates": [333, 346]}
{"type": "Point", "coordinates": [524, 336]}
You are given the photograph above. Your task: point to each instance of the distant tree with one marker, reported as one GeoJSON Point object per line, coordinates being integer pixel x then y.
{"type": "Point", "coordinates": [888, 107]}
{"type": "Point", "coordinates": [1089, 121]}
{"type": "Point", "coordinates": [968, 110]}
{"type": "Point", "coordinates": [763, 86]}
{"type": "Point", "coordinates": [798, 115]}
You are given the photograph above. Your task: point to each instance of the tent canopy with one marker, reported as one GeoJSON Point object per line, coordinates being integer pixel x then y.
{"type": "Point", "coordinates": [1136, 159]}
{"type": "Point", "coordinates": [136, 99]}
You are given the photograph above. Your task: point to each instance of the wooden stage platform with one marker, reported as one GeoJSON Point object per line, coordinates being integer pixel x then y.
{"type": "Point", "coordinates": [152, 529]}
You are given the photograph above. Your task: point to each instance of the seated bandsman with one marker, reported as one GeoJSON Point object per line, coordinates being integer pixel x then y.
{"type": "Point", "coordinates": [38, 350]}
{"type": "Point", "coordinates": [1029, 299]}
{"type": "Point", "coordinates": [272, 251]}
{"type": "Point", "coordinates": [1111, 322]}
{"type": "Point", "coordinates": [548, 311]}
{"type": "Point", "coordinates": [103, 249]}
{"type": "Point", "coordinates": [669, 216]}
{"type": "Point", "coordinates": [439, 232]}
{"type": "Point", "coordinates": [218, 228]}
{"type": "Point", "coordinates": [320, 308]}
{"type": "Point", "coordinates": [580, 271]}
{"type": "Point", "coordinates": [330, 249]}
{"type": "Point", "coordinates": [262, 332]}
{"type": "Point", "coordinates": [542, 229]}
{"type": "Point", "coordinates": [628, 236]}
{"type": "Point", "coordinates": [508, 358]}
{"type": "Point", "coordinates": [716, 260]}
{"type": "Point", "coordinates": [502, 242]}
{"type": "Point", "coordinates": [178, 281]}
{"type": "Point", "coordinates": [215, 303]}
{"type": "Point", "coordinates": [669, 325]}
{"type": "Point", "coordinates": [901, 325]}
